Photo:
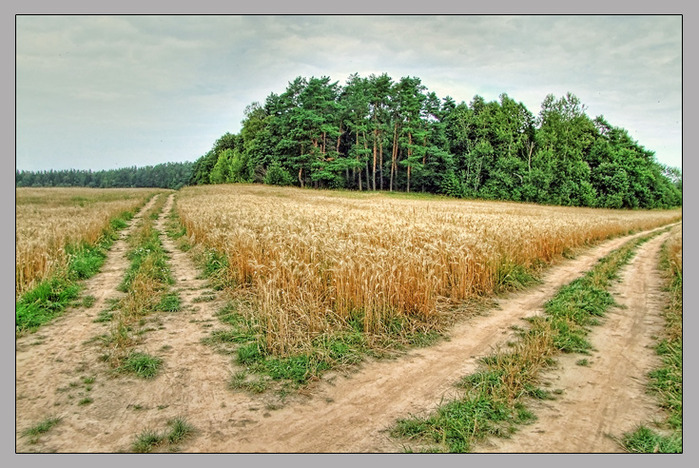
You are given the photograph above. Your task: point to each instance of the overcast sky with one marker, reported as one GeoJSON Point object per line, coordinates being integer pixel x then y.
{"type": "Point", "coordinates": [101, 92]}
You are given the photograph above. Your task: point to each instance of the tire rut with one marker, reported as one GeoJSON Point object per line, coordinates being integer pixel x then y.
{"type": "Point", "coordinates": [49, 360]}
{"type": "Point", "coordinates": [353, 414]}
{"type": "Point", "coordinates": [602, 401]}
{"type": "Point", "coordinates": [345, 413]}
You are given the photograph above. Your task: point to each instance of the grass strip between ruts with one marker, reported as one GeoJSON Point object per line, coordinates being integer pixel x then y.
{"type": "Point", "coordinates": [494, 398]}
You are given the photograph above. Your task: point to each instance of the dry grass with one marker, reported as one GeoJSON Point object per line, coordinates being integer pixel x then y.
{"type": "Point", "coordinates": [49, 219]}
{"type": "Point", "coordinates": [673, 254]}
{"type": "Point", "coordinates": [314, 260]}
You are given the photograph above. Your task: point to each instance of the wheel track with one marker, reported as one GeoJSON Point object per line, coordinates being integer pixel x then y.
{"type": "Point", "coordinates": [352, 415]}
{"type": "Point", "coordinates": [346, 414]}
{"type": "Point", "coordinates": [47, 360]}
{"type": "Point", "coordinates": [604, 400]}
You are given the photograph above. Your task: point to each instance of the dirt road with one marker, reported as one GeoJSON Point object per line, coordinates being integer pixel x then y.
{"type": "Point", "coordinates": [344, 413]}
{"type": "Point", "coordinates": [605, 399]}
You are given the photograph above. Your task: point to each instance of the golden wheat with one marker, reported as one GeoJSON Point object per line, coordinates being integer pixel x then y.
{"type": "Point", "coordinates": [48, 219]}
{"type": "Point", "coordinates": [315, 259]}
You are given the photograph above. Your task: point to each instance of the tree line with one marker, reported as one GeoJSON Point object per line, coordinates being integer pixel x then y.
{"type": "Point", "coordinates": [374, 133]}
{"type": "Point", "coordinates": [166, 175]}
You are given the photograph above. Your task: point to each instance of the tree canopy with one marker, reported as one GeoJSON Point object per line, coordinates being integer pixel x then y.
{"type": "Point", "coordinates": [377, 133]}
{"type": "Point", "coordinates": [167, 175]}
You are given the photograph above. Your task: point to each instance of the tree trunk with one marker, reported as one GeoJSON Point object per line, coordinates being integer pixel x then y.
{"type": "Point", "coordinates": [367, 162]}
{"type": "Point", "coordinates": [394, 154]}
{"type": "Point", "coordinates": [410, 153]}
{"type": "Point", "coordinates": [300, 176]}
{"type": "Point", "coordinates": [408, 190]}
{"type": "Point", "coordinates": [373, 176]}
{"type": "Point", "coordinates": [359, 172]}
{"type": "Point", "coordinates": [380, 165]}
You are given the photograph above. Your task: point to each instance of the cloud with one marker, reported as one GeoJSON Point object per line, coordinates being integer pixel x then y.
{"type": "Point", "coordinates": [121, 84]}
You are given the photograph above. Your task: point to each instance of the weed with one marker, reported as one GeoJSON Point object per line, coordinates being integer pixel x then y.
{"type": "Point", "coordinates": [146, 442]}
{"type": "Point", "coordinates": [42, 427]}
{"type": "Point", "coordinates": [170, 302]}
{"type": "Point", "coordinates": [104, 316]}
{"type": "Point", "coordinates": [88, 301]}
{"type": "Point", "coordinates": [645, 440]}
{"type": "Point", "coordinates": [85, 401]}
{"type": "Point", "coordinates": [149, 439]}
{"type": "Point", "coordinates": [180, 429]}
{"type": "Point", "coordinates": [142, 365]}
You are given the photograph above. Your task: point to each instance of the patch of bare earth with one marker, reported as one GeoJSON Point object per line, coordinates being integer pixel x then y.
{"type": "Point", "coordinates": [603, 400]}
{"type": "Point", "coordinates": [344, 413]}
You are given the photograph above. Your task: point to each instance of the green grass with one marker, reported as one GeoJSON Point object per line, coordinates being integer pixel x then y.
{"type": "Point", "coordinates": [180, 430]}
{"type": "Point", "coordinates": [645, 440]}
{"type": "Point", "coordinates": [146, 441]}
{"type": "Point", "coordinates": [104, 316]}
{"type": "Point", "coordinates": [50, 297]}
{"type": "Point", "coordinates": [244, 338]}
{"type": "Point", "coordinates": [147, 257]}
{"type": "Point", "coordinates": [170, 302]}
{"type": "Point", "coordinates": [494, 398]}
{"type": "Point", "coordinates": [142, 364]}
{"type": "Point", "coordinates": [42, 427]}
{"type": "Point", "coordinates": [149, 440]}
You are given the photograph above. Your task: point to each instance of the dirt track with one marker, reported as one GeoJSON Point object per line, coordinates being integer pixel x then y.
{"type": "Point", "coordinates": [604, 400]}
{"type": "Point", "coordinates": [343, 414]}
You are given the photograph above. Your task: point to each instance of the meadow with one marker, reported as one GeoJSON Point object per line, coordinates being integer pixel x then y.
{"type": "Point", "coordinates": [306, 264]}
{"type": "Point", "coordinates": [51, 222]}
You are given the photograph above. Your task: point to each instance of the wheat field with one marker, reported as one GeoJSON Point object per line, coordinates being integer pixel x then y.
{"type": "Point", "coordinates": [309, 261]}
{"type": "Point", "coordinates": [49, 219]}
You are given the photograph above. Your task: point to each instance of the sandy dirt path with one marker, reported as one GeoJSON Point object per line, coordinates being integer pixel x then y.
{"type": "Point", "coordinates": [47, 361]}
{"type": "Point", "coordinates": [191, 384]}
{"type": "Point", "coordinates": [602, 401]}
{"type": "Point", "coordinates": [344, 413]}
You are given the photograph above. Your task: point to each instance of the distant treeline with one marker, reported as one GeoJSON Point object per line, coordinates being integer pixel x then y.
{"type": "Point", "coordinates": [379, 134]}
{"type": "Point", "coordinates": [167, 175]}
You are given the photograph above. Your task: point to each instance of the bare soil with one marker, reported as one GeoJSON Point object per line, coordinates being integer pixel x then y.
{"type": "Point", "coordinates": [342, 413]}
{"type": "Point", "coordinates": [606, 398]}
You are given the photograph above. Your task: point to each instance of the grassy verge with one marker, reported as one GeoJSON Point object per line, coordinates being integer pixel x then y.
{"type": "Point", "coordinates": [53, 295]}
{"type": "Point", "coordinates": [494, 398]}
{"type": "Point", "coordinates": [666, 381]}
{"type": "Point", "coordinates": [147, 287]}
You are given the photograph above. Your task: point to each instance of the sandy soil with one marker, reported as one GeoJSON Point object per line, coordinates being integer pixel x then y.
{"type": "Point", "coordinates": [343, 413]}
{"type": "Point", "coordinates": [602, 401]}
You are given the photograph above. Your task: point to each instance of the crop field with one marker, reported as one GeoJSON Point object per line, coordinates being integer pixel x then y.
{"type": "Point", "coordinates": [50, 219]}
{"type": "Point", "coordinates": [309, 262]}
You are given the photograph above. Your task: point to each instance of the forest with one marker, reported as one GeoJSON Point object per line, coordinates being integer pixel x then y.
{"type": "Point", "coordinates": [376, 133]}
{"type": "Point", "coordinates": [168, 175]}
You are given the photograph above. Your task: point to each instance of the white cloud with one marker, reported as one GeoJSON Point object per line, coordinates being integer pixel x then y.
{"type": "Point", "coordinates": [186, 80]}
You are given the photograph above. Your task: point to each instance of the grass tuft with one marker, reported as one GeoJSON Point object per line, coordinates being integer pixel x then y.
{"type": "Point", "coordinates": [142, 365]}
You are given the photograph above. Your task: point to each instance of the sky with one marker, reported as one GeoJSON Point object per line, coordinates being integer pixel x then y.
{"type": "Point", "coordinates": [104, 92]}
